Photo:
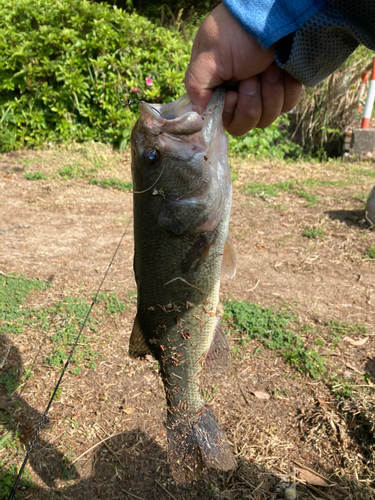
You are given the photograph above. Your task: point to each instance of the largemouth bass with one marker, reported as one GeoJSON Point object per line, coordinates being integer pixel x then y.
{"type": "Point", "coordinates": [182, 200]}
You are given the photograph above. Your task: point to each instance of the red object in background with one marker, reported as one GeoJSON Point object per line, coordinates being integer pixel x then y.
{"type": "Point", "coordinates": [370, 100]}
{"type": "Point", "coordinates": [361, 91]}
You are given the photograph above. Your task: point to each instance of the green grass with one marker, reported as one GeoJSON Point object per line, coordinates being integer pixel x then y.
{"type": "Point", "coordinates": [259, 188]}
{"type": "Point", "coordinates": [344, 328]}
{"type": "Point", "coordinates": [313, 232]}
{"type": "Point", "coordinates": [35, 176]}
{"type": "Point", "coordinates": [370, 253]}
{"type": "Point", "coordinates": [73, 172]}
{"type": "Point", "coordinates": [272, 190]}
{"type": "Point", "coordinates": [112, 183]}
{"type": "Point", "coordinates": [276, 332]}
{"type": "Point", "coordinates": [8, 477]}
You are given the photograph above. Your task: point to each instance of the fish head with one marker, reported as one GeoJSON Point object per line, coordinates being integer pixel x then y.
{"type": "Point", "coordinates": [179, 164]}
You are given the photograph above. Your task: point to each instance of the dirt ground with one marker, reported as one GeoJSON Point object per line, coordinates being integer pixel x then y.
{"type": "Point", "coordinates": [66, 231]}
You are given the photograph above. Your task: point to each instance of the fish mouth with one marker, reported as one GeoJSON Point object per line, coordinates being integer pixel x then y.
{"type": "Point", "coordinates": [178, 118]}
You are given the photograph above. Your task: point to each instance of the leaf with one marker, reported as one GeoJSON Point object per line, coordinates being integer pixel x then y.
{"type": "Point", "coordinates": [356, 342]}
{"type": "Point", "coordinates": [260, 247]}
{"type": "Point", "coordinates": [128, 411]}
{"type": "Point", "coordinates": [261, 394]}
{"type": "Point", "coordinates": [311, 478]}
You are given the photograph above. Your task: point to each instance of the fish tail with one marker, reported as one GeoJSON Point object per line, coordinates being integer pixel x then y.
{"type": "Point", "coordinates": [196, 444]}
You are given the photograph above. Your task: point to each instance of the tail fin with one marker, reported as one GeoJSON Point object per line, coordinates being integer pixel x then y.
{"type": "Point", "coordinates": [196, 444]}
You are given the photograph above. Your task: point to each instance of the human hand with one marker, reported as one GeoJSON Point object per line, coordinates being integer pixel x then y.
{"type": "Point", "coordinates": [224, 52]}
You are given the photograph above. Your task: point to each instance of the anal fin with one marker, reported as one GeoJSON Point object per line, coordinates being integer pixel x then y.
{"type": "Point", "coordinates": [138, 345]}
{"type": "Point", "coordinates": [218, 357]}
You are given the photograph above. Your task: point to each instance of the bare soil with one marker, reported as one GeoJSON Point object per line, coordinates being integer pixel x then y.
{"type": "Point", "coordinates": [66, 231]}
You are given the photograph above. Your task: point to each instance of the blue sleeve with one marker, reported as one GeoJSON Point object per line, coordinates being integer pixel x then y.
{"type": "Point", "coordinates": [312, 38]}
{"type": "Point", "coordinates": [270, 20]}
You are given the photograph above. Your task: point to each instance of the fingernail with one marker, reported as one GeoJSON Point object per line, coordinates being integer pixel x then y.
{"type": "Point", "coordinates": [273, 74]}
{"type": "Point", "coordinates": [230, 104]}
{"type": "Point", "coordinates": [252, 87]}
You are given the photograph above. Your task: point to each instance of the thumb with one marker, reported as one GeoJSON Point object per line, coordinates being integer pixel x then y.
{"type": "Point", "coordinates": [200, 80]}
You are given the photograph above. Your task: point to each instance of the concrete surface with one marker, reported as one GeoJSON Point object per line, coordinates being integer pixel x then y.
{"type": "Point", "coordinates": [362, 141]}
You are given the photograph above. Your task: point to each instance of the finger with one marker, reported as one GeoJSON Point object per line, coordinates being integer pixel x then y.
{"type": "Point", "coordinates": [272, 90]}
{"type": "Point", "coordinates": [248, 108]}
{"type": "Point", "coordinates": [200, 80]}
{"type": "Point", "coordinates": [231, 99]}
{"type": "Point", "coordinates": [292, 92]}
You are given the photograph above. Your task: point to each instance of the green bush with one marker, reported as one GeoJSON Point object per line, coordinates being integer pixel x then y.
{"type": "Point", "coordinates": [65, 65]}
{"type": "Point", "coordinates": [271, 142]}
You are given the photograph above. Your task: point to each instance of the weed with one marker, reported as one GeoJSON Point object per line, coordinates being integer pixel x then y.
{"type": "Point", "coordinates": [290, 186]}
{"type": "Point", "coordinates": [275, 331]}
{"type": "Point", "coordinates": [13, 292]}
{"type": "Point", "coordinates": [72, 172]}
{"type": "Point", "coordinates": [112, 304]}
{"type": "Point", "coordinates": [313, 232]}
{"type": "Point", "coordinates": [112, 183]}
{"type": "Point", "coordinates": [259, 188]}
{"type": "Point", "coordinates": [7, 479]}
{"type": "Point", "coordinates": [35, 176]}
{"type": "Point", "coordinates": [370, 253]}
{"type": "Point", "coordinates": [343, 328]}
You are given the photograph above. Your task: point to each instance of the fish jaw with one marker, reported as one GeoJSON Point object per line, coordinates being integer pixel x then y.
{"type": "Point", "coordinates": [192, 172]}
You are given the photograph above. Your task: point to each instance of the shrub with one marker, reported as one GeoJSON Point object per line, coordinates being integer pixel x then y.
{"type": "Point", "coordinates": [65, 65]}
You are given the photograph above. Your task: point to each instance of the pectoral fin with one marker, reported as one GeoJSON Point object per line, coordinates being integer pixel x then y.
{"type": "Point", "coordinates": [137, 345]}
{"type": "Point", "coordinates": [199, 251]}
{"type": "Point", "coordinates": [228, 265]}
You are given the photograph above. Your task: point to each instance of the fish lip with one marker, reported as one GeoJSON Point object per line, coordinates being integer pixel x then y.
{"type": "Point", "coordinates": [178, 118]}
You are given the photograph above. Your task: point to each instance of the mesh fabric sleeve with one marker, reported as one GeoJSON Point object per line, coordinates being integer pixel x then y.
{"type": "Point", "coordinates": [326, 40]}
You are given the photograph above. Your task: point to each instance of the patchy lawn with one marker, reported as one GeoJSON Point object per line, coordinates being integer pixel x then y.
{"type": "Point", "coordinates": [299, 400]}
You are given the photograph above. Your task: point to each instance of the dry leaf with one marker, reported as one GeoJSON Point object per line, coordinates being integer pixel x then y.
{"type": "Point", "coordinates": [260, 247]}
{"type": "Point", "coordinates": [311, 478]}
{"type": "Point", "coordinates": [128, 411]}
{"type": "Point", "coordinates": [261, 394]}
{"type": "Point", "coordinates": [356, 342]}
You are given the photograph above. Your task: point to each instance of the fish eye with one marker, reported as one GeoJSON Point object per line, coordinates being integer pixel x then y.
{"type": "Point", "coordinates": [152, 157]}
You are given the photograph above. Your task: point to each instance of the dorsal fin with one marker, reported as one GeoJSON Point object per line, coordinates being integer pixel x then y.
{"type": "Point", "coordinates": [137, 344]}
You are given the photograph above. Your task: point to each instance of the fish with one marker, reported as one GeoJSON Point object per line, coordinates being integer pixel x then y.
{"type": "Point", "coordinates": [181, 203]}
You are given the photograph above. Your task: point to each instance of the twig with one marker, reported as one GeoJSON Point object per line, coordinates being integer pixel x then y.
{"type": "Point", "coordinates": [5, 357]}
{"type": "Point", "coordinates": [94, 446]}
{"type": "Point", "coordinates": [111, 451]}
{"type": "Point", "coordinates": [161, 486]}
{"type": "Point", "coordinates": [132, 495]}
{"type": "Point", "coordinates": [184, 281]}
{"type": "Point", "coordinates": [254, 287]}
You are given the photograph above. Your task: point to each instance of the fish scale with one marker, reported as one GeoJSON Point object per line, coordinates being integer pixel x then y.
{"type": "Point", "coordinates": [181, 235]}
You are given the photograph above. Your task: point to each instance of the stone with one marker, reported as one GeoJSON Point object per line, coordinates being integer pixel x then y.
{"type": "Point", "coordinates": [362, 141]}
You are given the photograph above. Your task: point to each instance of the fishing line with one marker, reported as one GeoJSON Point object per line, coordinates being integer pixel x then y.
{"type": "Point", "coordinates": [148, 189]}
{"type": "Point", "coordinates": [23, 487]}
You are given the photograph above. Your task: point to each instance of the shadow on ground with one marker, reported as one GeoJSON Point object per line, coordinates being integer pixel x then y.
{"type": "Point", "coordinates": [349, 217]}
{"type": "Point", "coordinates": [129, 465]}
